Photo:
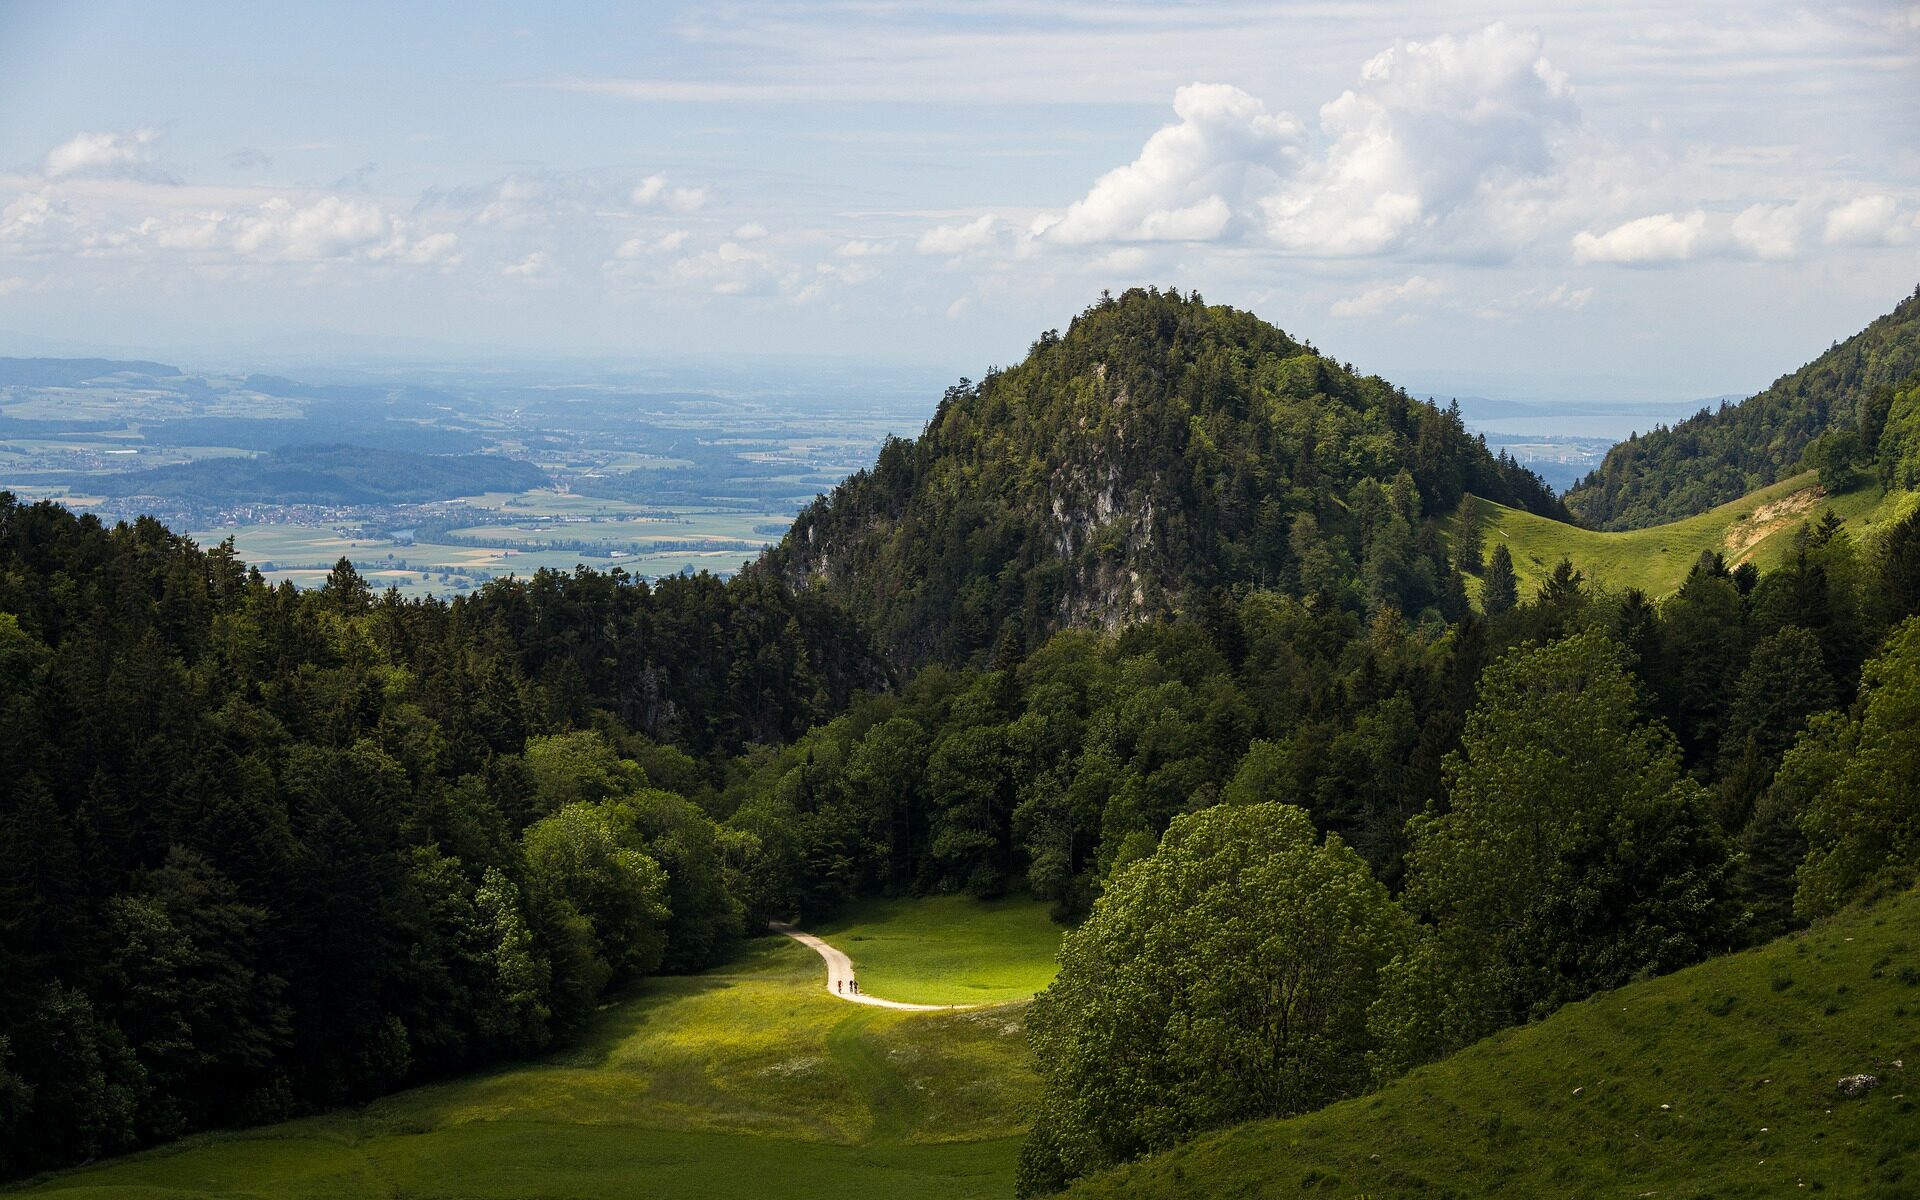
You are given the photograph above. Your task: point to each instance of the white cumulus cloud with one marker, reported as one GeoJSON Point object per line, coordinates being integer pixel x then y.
{"type": "Point", "coordinates": [1661, 238]}
{"type": "Point", "coordinates": [289, 229]}
{"type": "Point", "coordinates": [534, 266]}
{"type": "Point", "coordinates": [1448, 144]}
{"type": "Point", "coordinates": [1435, 134]}
{"type": "Point", "coordinates": [102, 153]}
{"type": "Point", "coordinates": [653, 192]}
{"type": "Point", "coordinates": [641, 247]}
{"type": "Point", "coordinates": [958, 238]}
{"type": "Point", "coordinates": [1769, 231]}
{"type": "Point", "coordinates": [1225, 145]}
{"type": "Point", "coordinates": [1866, 221]}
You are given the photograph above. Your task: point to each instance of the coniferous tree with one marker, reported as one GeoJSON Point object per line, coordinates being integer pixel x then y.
{"type": "Point", "coordinates": [1499, 588]}
{"type": "Point", "coordinates": [1468, 536]}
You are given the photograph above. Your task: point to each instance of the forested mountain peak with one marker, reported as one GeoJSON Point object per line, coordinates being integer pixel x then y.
{"type": "Point", "coordinates": [1162, 447]}
{"type": "Point", "coordinates": [1834, 412]}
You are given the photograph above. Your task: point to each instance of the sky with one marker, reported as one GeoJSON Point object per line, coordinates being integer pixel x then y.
{"type": "Point", "coordinates": [1630, 201]}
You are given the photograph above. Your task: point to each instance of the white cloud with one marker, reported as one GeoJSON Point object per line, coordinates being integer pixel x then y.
{"type": "Point", "coordinates": [1435, 135]}
{"type": "Point", "coordinates": [959, 238]}
{"type": "Point", "coordinates": [1378, 300]}
{"type": "Point", "coordinates": [537, 265]}
{"type": "Point", "coordinates": [434, 248]}
{"type": "Point", "coordinates": [291, 229]}
{"type": "Point", "coordinates": [731, 269]}
{"type": "Point", "coordinates": [1769, 231]}
{"type": "Point", "coordinates": [641, 247]}
{"type": "Point", "coordinates": [1866, 221]}
{"type": "Point", "coordinates": [1561, 297]}
{"type": "Point", "coordinates": [852, 273]}
{"type": "Point", "coordinates": [752, 231]}
{"type": "Point", "coordinates": [26, 217]}
{"type": "Point", "coordinates": [1451, 144]}
{"type": "Point", "coordinates": [12, 283]}
{"type": "Point", "coordinates": [1224, 144]}
{"type": "Point", "coordinates": [1661, 238]}
{"type": "Point", "coordinates": [856, 248]}
{"type": "Point", "coordinates": [653, 192]}
{"type": "Point", "coordinates": [328, 228]}
{"type": "Point", "coordinates": [102, 153]}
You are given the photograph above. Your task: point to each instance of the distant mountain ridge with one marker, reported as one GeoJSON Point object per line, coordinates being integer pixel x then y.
{"type": "Point", "coordinates": [1159, 450]}
{"type": "Point", "coordinates": [1721, 454]}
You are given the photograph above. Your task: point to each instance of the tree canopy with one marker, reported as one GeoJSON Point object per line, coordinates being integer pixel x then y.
{"type": "Point", "coordinates": [1225, 976]}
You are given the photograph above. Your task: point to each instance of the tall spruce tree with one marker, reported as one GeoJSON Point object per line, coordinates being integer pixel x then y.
{"type": "Point", "coordinates": [1499, 588]}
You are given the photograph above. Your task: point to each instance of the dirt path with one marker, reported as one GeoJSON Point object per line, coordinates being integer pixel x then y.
{"type": "Point", "coordinates": [840, 974]}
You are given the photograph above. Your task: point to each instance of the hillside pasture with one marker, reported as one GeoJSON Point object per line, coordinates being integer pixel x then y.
{"type": "Point", "coordinates": [1757, 528]}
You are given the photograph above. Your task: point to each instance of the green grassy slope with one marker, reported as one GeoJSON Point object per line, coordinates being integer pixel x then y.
{"type": "Point", "coordinates": [745, 1081]}
{"type": "Point", "coordinates": [948, 949]}
{"type": "Point", "coordinates": [1717, 1081]}
{"type": "Point", "coordinates": [1756, 528]}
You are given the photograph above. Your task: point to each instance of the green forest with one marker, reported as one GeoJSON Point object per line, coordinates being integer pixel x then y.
{"type": "Point", "coordinates": [1168, 625]}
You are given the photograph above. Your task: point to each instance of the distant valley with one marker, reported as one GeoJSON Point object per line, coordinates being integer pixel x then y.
{"type": "Point", "coordinates": [434, 481]}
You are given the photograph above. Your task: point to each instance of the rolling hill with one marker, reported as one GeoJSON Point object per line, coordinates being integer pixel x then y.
{"type": "Point", "coordinates": [1719, 455]}
{"type": "Point", "coordinates": [1757, 528]}
{"type": "Point", "coordinates": [1721, 1080]}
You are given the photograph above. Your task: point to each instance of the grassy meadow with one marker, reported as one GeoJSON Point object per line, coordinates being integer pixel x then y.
{"type": "Point", "coordinates": [948, 949]}
{"type": "Point", "coordinates": [1717, 1081]}
{"type": "Point", "coordinates": [744, 1081]}
{"type": "Point", "coordinates": [1758, 528]}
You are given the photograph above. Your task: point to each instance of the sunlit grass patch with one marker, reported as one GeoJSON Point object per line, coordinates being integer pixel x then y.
{"type": "Point", "coordinates": [948, 949]}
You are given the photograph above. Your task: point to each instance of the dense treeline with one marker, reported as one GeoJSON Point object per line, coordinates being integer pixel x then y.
{"type": "Point", "coordinates": [1161, 449]}
{"type": "Point", "coordinates": [1831, 413]}
{"type": "Point", "coordinates": [1614, 789]}
{"type": "Point", "coordinates": [263, 850]}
